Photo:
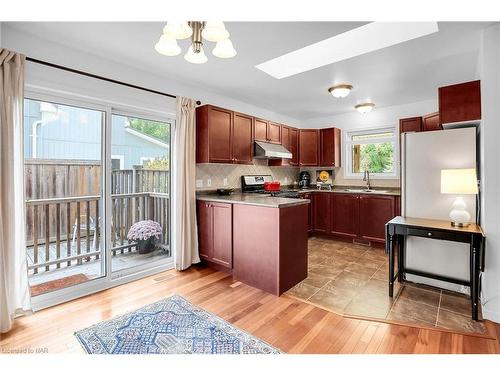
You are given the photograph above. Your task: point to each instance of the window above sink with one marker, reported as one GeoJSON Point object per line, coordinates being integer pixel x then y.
{"type": "Point", "coordinates": [373, 150]}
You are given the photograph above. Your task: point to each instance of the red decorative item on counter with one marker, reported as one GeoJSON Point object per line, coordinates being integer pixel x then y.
{"type": "Point", "coordinates": [272, 186]}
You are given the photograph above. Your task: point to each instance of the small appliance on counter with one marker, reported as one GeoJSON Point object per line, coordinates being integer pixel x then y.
{"type": "Point", "coordinates": [324, 179]}
{"type": "Point", "coordinates": [304, 180]}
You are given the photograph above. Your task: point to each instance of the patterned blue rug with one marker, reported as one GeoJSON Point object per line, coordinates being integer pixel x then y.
{"type": "Point", "coordinates": [169, 326]}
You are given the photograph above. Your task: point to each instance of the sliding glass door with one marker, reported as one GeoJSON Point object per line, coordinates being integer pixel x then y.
{"type": "Point", "coordinates": [140, 186]}
{"type": "Point", "coordinates": [97, 196]}
{"type": "Point", "coordinates": [63, 182]}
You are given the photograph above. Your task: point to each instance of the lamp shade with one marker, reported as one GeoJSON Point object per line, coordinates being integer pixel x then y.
{"type": "Point", "coordinates": [459, 181]}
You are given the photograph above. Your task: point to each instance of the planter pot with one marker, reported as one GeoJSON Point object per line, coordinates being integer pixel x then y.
{"type": "Point", "coordinates": [146, 246]}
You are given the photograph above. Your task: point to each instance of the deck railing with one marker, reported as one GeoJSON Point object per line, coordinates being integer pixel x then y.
{"type": "Point", "coordinates": [78, 224]}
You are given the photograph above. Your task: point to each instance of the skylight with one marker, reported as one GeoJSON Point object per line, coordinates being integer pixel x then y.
{"type": "Point", "coordinates": [355, 42]}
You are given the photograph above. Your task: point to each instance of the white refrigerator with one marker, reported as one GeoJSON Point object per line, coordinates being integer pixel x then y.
{"type": "Point", "coordinates": [423, 155]}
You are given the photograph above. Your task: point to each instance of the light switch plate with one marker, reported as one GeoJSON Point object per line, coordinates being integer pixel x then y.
{"type": "Point", "coordinates": [224, 182]}
{"type": "Point", "coordinates": [209, 182]}
{"type": "Point", "coordinates": [199, 183]}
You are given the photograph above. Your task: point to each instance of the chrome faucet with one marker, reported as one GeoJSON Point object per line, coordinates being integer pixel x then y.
{"type": "Point", "coordinates": [366, 177]}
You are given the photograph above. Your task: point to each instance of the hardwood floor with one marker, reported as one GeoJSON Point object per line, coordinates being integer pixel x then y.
{"type": "Point", "coordinates": [289, 324]}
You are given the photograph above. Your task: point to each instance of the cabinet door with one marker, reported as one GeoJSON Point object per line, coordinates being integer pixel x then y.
{"type": "Point", "coordinates": [222, 217]}
{"type": "Point", "coordinates": [330, 147]}
{"type": "Point", "coordinates": [413, 124]}
{"type": "Point", "coordinates": [309, 147]}
{"type": "Point", "coordinates": [345, 214]}
{"type": "Point", "coordinates": [274, 133]}
{"type": "Point", "coordinates": [260, 130]}
{"type": "Point", "coordinates": [205, 229]}
{"type": "Point", "coordinates": [294, 146]}
{"type": "Point", "coordinates": [285, 137]}
{"type": "Point", "coordinates": [321, 209]}
{"type": "Point", "coordinates": [242, 143]}
{"type": "Point", "coordinates": [431, 122]}
{"type": "Point", "coordinates": [374, 212]}
{"type": "Point", "coordinates": [219, 134]}
{"type": "Point", "coordinates": [461, 102]}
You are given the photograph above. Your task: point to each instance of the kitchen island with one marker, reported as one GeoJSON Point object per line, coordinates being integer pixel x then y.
{"type": "Point", "coordinates": [261, 240]}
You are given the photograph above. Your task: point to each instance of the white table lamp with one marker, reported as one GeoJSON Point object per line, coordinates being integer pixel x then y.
{"type": "Point", "coordinates": [459, 182]}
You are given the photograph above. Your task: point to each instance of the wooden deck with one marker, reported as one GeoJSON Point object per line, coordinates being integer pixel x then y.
{"type": "Point", "coordinates": [124, 258]}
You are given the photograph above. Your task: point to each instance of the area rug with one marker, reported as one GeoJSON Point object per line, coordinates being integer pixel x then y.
{"type": "Point", "coordinates": [170, 326]}
{"type": "Point", "coordinates": [63, 282]}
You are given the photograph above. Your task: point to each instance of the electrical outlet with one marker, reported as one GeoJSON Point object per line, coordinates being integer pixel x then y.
{"type": "Point", "coordinates": [224, 182]}
{"type": "Point", "coordinates": [286, 180]}
{"type": "Point", "coordinates": [209, 182]}
{"type": "Point", "coordinates": [199, 183]}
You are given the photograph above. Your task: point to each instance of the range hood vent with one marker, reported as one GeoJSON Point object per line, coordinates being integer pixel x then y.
{"type": "Point", "coordinates": [264, 150]}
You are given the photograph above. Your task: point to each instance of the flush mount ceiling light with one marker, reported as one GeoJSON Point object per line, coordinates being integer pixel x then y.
{"type": "Point", "coordinates": [364, 107]}
{"type": "Point", "coordinates": [340, 91]}
{"type": "Point", "coordinates": [352, 43]}
{"type": "Point", "coordinates": [212, 31]}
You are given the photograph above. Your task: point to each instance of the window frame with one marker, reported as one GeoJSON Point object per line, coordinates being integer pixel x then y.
{"type": "Point", "coordinates": [121, 158]}
{"type": "Point", "coordinates": [348, 172]}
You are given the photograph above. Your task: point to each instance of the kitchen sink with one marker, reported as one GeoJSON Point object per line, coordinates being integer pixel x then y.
{"type": "Point", "coordinates": [375, 191]}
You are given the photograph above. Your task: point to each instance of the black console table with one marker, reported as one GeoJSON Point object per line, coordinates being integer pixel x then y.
{"type": "Point", "coordinates": [398, 228]}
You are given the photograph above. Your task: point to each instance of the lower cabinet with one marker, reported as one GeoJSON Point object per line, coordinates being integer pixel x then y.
{"type": "Point", "coordinates": [215, 232]}
{"type": "Point", "coordinates": [345, 215]}
{"type": "Point", "coordinates": [310, 211]}
{"type": "Point", "coordinates": [375, 211]}
{"type": "Point", "coordinates": [355, 216]}
{"type": "Point", "coordinates": [321, 212]}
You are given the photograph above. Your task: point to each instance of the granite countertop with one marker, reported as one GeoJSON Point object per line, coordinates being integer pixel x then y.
{"type": "Point", "coordinates": [252, 199]}
{"type": "Point", "coordinates": [358, 190]}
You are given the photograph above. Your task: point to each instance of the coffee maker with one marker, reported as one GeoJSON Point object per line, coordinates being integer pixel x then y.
{"type": "Point", "coordinates": [304, 180]}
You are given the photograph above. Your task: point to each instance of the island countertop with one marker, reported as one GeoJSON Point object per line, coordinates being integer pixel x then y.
{"type": "Point", "coordinates": [252, 199]}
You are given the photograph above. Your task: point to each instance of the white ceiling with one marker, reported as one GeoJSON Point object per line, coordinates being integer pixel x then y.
{"type": "Point", "coordinates": [404, 73]}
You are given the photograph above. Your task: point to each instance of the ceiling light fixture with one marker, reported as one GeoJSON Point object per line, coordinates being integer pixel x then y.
{"type": "Point", "coordinates": [340, 91]}
{"type": "Point", "coordinates": [212, 31]}
{"type": "Point", "coordinates": [364, 107]}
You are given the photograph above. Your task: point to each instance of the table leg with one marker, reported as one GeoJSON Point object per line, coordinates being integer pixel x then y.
{"type": "Point", "coordinates": [474, 290]}
{"type": "Point", "coordinates": [390, 244]}
{"type": "Point", "coordinates": [401, 258]}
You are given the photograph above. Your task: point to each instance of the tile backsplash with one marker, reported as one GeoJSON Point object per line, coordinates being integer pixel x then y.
{"type": "Point", "coordinates": [229, 175]}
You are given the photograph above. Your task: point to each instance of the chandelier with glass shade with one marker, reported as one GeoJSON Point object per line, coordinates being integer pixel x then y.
{"type": "Point", "coordinates": [198, 31]}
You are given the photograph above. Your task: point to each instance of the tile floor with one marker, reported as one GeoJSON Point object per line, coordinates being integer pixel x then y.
{"type": "Point", "coordinates": [352, 279]}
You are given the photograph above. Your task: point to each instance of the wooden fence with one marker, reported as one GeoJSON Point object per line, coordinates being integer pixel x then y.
{"type": "Point", "coordinates": [57, 179]}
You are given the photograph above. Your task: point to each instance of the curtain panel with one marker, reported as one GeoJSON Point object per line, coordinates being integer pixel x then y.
{"type": "Point", "coordinates": [186, 231]}
{"type": "Point", "coordinates": [14, 287]}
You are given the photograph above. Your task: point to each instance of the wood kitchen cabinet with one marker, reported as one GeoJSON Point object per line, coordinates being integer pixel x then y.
{"type": "Point", "coordinates": [310, 213]}
{"type": "Point", "coordinates": [412, 124]}
{"type": "Point", "coordinates": [460, 102]}
{"type": "Point", "coordinates": [345, 215]}
{"type": "Point", "coordinates": [374, 212]}
{"type": "Point", "coordinates": [321, 212]}
{"type": "Point", "coordinates": [431, 122]}
{"type": "Point", "coordinates": [330, 150]}
{"type": "Point", "coordinates": [267, 131]}
{"type": "Point", "coordinates": [309, 145]}
{"type": "Point", "coordinates": [215, 232]}
{"type": "Point", "coordinates": [223, 136]}
{"type": "Point", "coordinates": [289, 140]}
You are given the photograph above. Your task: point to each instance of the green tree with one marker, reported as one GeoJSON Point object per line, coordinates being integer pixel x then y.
{"type": "Point", "coordinates": [160, 163]}
{"type": "Point", "coordinates": [377, 157]}
{"type": "Point", "coordinates": [155, 129]}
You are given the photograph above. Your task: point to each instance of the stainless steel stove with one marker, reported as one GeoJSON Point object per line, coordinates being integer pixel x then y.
{"type": "Point", "coordinates": [255, 184]}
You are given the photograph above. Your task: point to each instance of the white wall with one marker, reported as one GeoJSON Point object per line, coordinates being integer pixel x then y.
{"type": "Point", "coordinates": [489, 73]}
{"type": "Point", "coordinates": [378, 117]}
{"type": "Point", "coordinates": [36, 47]}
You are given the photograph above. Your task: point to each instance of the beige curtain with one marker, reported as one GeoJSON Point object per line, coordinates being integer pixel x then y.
{"type": "Point", "coordinates": [186, 232]}
{"type": "Point", "coordinates": [14, 289]}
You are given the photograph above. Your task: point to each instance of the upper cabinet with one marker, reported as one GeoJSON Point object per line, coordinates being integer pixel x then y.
{"type": "Point", "coordinates": [431, 122]}
{"type": "Point", "coordinates": [289, 140]}
{"type": "Point", "coordinates": [267, 131]}
{"type": "Point", "coordinates": [223, 136]}
{"type": "Point", "coordinates": [461, 102]}
{"type": "Point", "coordinates": [309, 147]}
{"type": "Point", "coordinates": [412, 124]}
{"type": "Point", "coordinates": [330, 147]}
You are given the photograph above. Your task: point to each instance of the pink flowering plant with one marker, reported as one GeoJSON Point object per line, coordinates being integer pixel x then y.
{"type": "Point", "coordinates": [143, 230]}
